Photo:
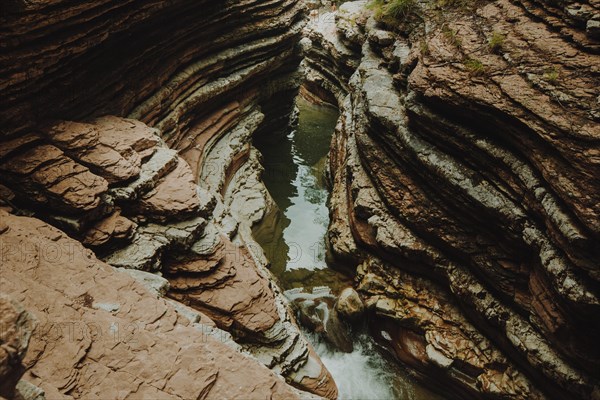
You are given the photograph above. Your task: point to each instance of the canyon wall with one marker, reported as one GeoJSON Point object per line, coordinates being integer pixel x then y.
{"type": "Point", "coordinates": [466, 191]}
{"type": "Point", "coordinates": [126, 127]}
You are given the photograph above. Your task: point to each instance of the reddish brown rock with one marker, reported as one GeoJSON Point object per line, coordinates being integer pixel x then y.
{"type": "Point", "coordinates": [47, 176]}
{"type": "Point", "coordinates": [466, 153]}
{"type": "Point", "coordinates": [123, 134]}
{"type": "Point", "coordinates": [425, 329]}
{"type": "Point", "coordinates": [210, 90]}
{"type": "Point", "coordinates": [114, 337]}
{"type": "Point", "coordinates": [204, 264]}
{"type": "Point", "coordinates": [84, 143]}
{"type": "Point", "coordinates": [16, 326]}
{"type": "Point", "coordinates": [17, 143]}
{"type": "Point", "coordinates": [232, 293]}
{"type": "Point", "coordinates": [176, 196]}
{"type": "Point", "coordinates": [113, 227]}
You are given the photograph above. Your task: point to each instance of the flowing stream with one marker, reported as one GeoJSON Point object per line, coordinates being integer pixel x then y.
{"type": "Point", "coordinates": [293, 237]}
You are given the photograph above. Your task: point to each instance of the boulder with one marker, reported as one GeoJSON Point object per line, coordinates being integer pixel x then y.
{"type": "Point", "coordinates": [349, 305]}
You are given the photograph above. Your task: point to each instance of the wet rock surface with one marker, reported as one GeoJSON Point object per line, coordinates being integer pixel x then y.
{"type": "Point", "coordinates": [465, 175]}
{"type": "Point", "coordinates": [318, 312]}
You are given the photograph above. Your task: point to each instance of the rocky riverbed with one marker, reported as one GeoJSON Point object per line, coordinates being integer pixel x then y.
{"type": "Point", "coordinates": [464, 200]}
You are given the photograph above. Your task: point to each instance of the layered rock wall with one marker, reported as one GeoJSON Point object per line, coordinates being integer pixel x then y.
{"type": "Point", "coordinates": [128, 126]}
{"type": "Point", "coordinates": [465, 183]}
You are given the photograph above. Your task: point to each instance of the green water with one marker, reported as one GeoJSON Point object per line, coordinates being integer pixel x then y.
{"type": "Point", "coordinates": [293, 237]}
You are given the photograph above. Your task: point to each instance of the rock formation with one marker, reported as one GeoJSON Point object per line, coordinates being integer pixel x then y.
{"type": "Point", "coordinates": [465, 187]}
{"type": "Point", "coordinates": [465, 193]}
{"type": "Point", "coordinates": [128, 126]}
{"type": "Point", "coordinates": [349, 305]}
{"type": "Point", "coordinates": [104, 333]}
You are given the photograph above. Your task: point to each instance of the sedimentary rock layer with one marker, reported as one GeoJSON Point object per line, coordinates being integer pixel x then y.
{"type": "Point", "coordinates": [126, 125]}
{"type": "Point", "coordinates": [465, 174]}
{"type": "Point", "coordinates": [102, 333]}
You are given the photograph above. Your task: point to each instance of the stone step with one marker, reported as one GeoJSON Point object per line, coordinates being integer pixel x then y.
{"type": "Point", "coordinates": [181, 234]}
{"type": "Point", "coordinates": [144, 253]}
{"type": "Point", "coordinates": [159, 165]}
{"type": "Point", "coordinates": [149, 243]}
{"type": "Point", "coordinates": [209, 241]}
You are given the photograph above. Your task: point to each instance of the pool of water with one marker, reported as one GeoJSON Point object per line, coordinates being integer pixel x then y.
{"type": "Point", "coordinates": [295, 176]}
{"type": "Point", "coordinates": [293, 237]}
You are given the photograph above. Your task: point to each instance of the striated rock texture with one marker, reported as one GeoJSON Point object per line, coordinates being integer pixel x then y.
{"type": "Point", "coordinates": [128, 126]}
{"type": "Point", "coordinates": [103, 333]}
{"type": "Point", "coordinates": [465, 172]}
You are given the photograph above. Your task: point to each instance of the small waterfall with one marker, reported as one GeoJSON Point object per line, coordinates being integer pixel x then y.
{"type": "Point", "coordinates": [364, 373]}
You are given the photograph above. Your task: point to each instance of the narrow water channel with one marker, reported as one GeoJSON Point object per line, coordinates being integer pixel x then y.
{"type": "Point", "coordinates": [293, 237]}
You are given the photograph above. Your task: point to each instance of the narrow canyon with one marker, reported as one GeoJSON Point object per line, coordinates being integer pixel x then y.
{"type": "Point", "coordinates": [373, 199]}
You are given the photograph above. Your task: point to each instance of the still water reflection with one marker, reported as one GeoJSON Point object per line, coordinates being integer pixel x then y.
{"type": "Point", "coordinates": [293, 236]}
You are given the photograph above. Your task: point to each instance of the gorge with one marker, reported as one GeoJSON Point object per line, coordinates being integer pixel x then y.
{"type": "Point", "coordinates": [171, 227]}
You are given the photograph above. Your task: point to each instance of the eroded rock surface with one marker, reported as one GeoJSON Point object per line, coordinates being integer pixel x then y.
{"type": "Point", "coordinates": [100, 333]}
{"type": "Point", "coordinates": [160, 220]}
{"type": "Point", "coordinates": [16, 326]}
{"type": "Point", "coordinates": [125, 125]}
{"type": "Point", "coordinates": [465, 178]}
